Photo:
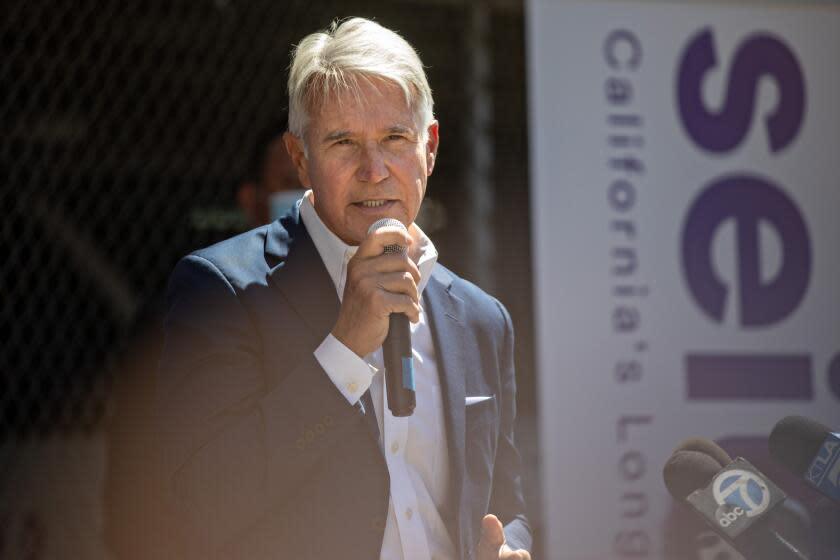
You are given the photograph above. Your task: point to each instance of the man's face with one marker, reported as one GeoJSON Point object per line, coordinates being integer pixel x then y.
{"type": "Point", "coordinates": [366, 159]}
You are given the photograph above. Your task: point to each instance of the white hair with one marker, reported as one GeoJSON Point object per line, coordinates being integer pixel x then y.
{"type": "Point", "coordinates": [327, 62]}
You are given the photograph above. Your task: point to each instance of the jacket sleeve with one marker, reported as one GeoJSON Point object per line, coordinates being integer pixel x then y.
{"type": "Point", "coordinates": [232, 447]}
{"type": "Point", "coordinates": [507, 501]}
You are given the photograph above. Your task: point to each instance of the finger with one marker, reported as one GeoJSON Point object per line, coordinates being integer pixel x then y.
{"type": "Point", "coordinates": [492, 529]}
{"type": "Point", "coordinates": [399, 283]}
{"type": "Point", "coordinates": [506, 553]}
{"type": "Point", "coordinates": [374, 244]}
{"type": "Point", "coordinates": [400, 303]}
{"type": "Point", "coordinates": [387, 263]}
{"type": "Point", "coordinates": [492, 537]}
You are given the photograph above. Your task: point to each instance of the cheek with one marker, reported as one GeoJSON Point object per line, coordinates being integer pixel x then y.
{"type": "Point", "coordinates": [411, 165]}
{"type": "Point", "coordinates": [321, 171]}
{"type": "Point", "coordinates": [336, 171]}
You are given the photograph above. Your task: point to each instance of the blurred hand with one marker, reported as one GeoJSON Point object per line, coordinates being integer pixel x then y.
{"type": "Point", "coordinates": [377, 285]}
{"type": "Point", "coordinates": [492, 545]}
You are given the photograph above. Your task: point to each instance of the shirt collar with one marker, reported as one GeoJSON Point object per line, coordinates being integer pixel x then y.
{"type": "Point", "coordinates": [335, 253]}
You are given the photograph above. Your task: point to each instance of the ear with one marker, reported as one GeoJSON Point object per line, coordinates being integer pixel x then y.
{"type": "Point", "coordinates": [294, 146]}
{"type": "Point", "coordinates": [432, 143]}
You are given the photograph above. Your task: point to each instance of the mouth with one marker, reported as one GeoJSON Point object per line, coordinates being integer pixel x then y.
{"type": "Point", "coordinates": [374, 204]}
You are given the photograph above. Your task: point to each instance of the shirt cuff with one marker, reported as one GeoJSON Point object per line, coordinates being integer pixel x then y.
{"type": "Point", "coordinates": [350, 373]}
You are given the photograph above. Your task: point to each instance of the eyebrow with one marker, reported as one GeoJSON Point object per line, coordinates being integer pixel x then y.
{"type": "Point", "coordinates": [400, 129]}
{"type": "Point", "coordinates": [340, 134]}
{"type": "Point", "coordinates": [336, 135]}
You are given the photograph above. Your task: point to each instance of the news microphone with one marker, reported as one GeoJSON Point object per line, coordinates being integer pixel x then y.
{"type": "Point", "coordinates": [809, 450]}
{"type": "Point", "coordinates": [735, 500]}
{"type": "Point", "coordinates": [826, 531]}
{"type": "Point", "coordinates": [396, 350]}
{"type": "Point", "coordinates": [707, 447]}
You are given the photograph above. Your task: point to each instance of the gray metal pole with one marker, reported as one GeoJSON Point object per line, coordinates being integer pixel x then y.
{"type": "Point", "coordinates": [480, 198]}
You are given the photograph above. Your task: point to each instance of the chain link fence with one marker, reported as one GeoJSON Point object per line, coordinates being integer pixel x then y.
{"type": "Point", "coordinates": [127, 128]}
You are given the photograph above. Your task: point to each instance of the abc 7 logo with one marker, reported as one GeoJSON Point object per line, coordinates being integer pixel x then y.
{"type": "Point", "coordinates": [834, 475]}
{"type": "Point", "coordinates": [739, 493]}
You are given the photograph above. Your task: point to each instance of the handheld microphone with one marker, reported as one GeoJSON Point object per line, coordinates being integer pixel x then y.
{"type": "Point", "coordinates": [809, 450]}
{"type": "Point", "coordinates": [735, 500]}
{"type": "Point", "coordinates": [396, 350]}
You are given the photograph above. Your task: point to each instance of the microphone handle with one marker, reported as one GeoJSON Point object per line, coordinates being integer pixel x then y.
{"type": "Point", "coordinates": [826, 525]}
{"type": "Point", "coordinates": [399, 366]}
{"type": "Point", "coordinates": [770, 545]}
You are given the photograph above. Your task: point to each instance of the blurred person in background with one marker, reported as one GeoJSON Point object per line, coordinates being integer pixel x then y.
{"type": "Point", "coordinates": [273, 186]}
{"type": "Point", "coordinates": [276, 438]}
{"type": "Point", "coordinates": [136, 524]}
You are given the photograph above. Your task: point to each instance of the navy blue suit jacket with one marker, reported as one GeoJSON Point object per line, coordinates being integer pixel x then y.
{"type": "Point", "coordinates": [264, 458]}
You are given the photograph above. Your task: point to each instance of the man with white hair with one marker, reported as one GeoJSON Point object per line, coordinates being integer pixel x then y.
{"type": "Point", "coordinates": [276, 434]}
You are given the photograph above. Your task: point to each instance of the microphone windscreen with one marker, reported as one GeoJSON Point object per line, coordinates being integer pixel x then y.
{"type": "Point", "coordinates": [687, 471]}
{"type": "Point", "coordinates": [706, 446]}
{"type": "Point", "coordinates": [795, 441]}
{"type": "Point", "coordinates": [389, 222]}
{"type": "Point", "coordinates": [386, 222]}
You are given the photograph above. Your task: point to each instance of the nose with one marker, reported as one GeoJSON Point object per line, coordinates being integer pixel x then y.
{"type": "Point", "coordinates": [372, 167]}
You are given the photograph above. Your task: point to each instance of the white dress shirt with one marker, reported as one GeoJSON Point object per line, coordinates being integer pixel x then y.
{"type": "Point", "coordinates": [415, 446]}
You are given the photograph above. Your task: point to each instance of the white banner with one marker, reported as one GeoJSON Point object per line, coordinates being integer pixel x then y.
{"type": "Point", "coordinates": [685, 222]}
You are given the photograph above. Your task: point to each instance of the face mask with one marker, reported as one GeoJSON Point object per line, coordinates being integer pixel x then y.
{"type": "Point", "coordinates": [280, 203]}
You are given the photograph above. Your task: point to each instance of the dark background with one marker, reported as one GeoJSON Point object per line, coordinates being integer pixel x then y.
{"type": "Point", "coordinates": [127, 128]}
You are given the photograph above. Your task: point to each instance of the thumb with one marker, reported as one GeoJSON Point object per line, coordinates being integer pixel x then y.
{"type": "Point", "coordinates": [492, 538]}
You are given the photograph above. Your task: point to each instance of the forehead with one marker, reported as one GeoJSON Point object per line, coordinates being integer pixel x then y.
{"type": "Point", "coordinates": [373, 105]}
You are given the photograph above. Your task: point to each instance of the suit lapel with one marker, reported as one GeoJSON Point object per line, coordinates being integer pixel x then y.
{"type": "Point", "coordinates": [446, 316]}
{"type": "Point", "coordinates": [301, 276]}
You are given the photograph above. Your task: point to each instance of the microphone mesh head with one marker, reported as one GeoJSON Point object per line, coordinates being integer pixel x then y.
{"type": "Point", "coordinates": [687, 471]}
{"type": "Point", "coordinates": [795, 441]}
{"type": "Point", "coordinates": [389, 222]}
{"type": "Point", "coordinates": [706, 446]}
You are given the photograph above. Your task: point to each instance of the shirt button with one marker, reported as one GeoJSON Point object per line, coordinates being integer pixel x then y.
{"type": "Point", "coordinates": [408, 513]}
{"type": "Point", "coordinates": [395, 447]}
{"type": "Point", "coordinates": [352, 386]}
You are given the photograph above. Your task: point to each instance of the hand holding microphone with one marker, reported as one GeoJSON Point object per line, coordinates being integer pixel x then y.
{"type": "Point", "coordinates": [380, 297]}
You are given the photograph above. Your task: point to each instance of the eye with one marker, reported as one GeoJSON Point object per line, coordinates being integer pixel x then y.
{"type": "Point", "coordinates": [343, 142]}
